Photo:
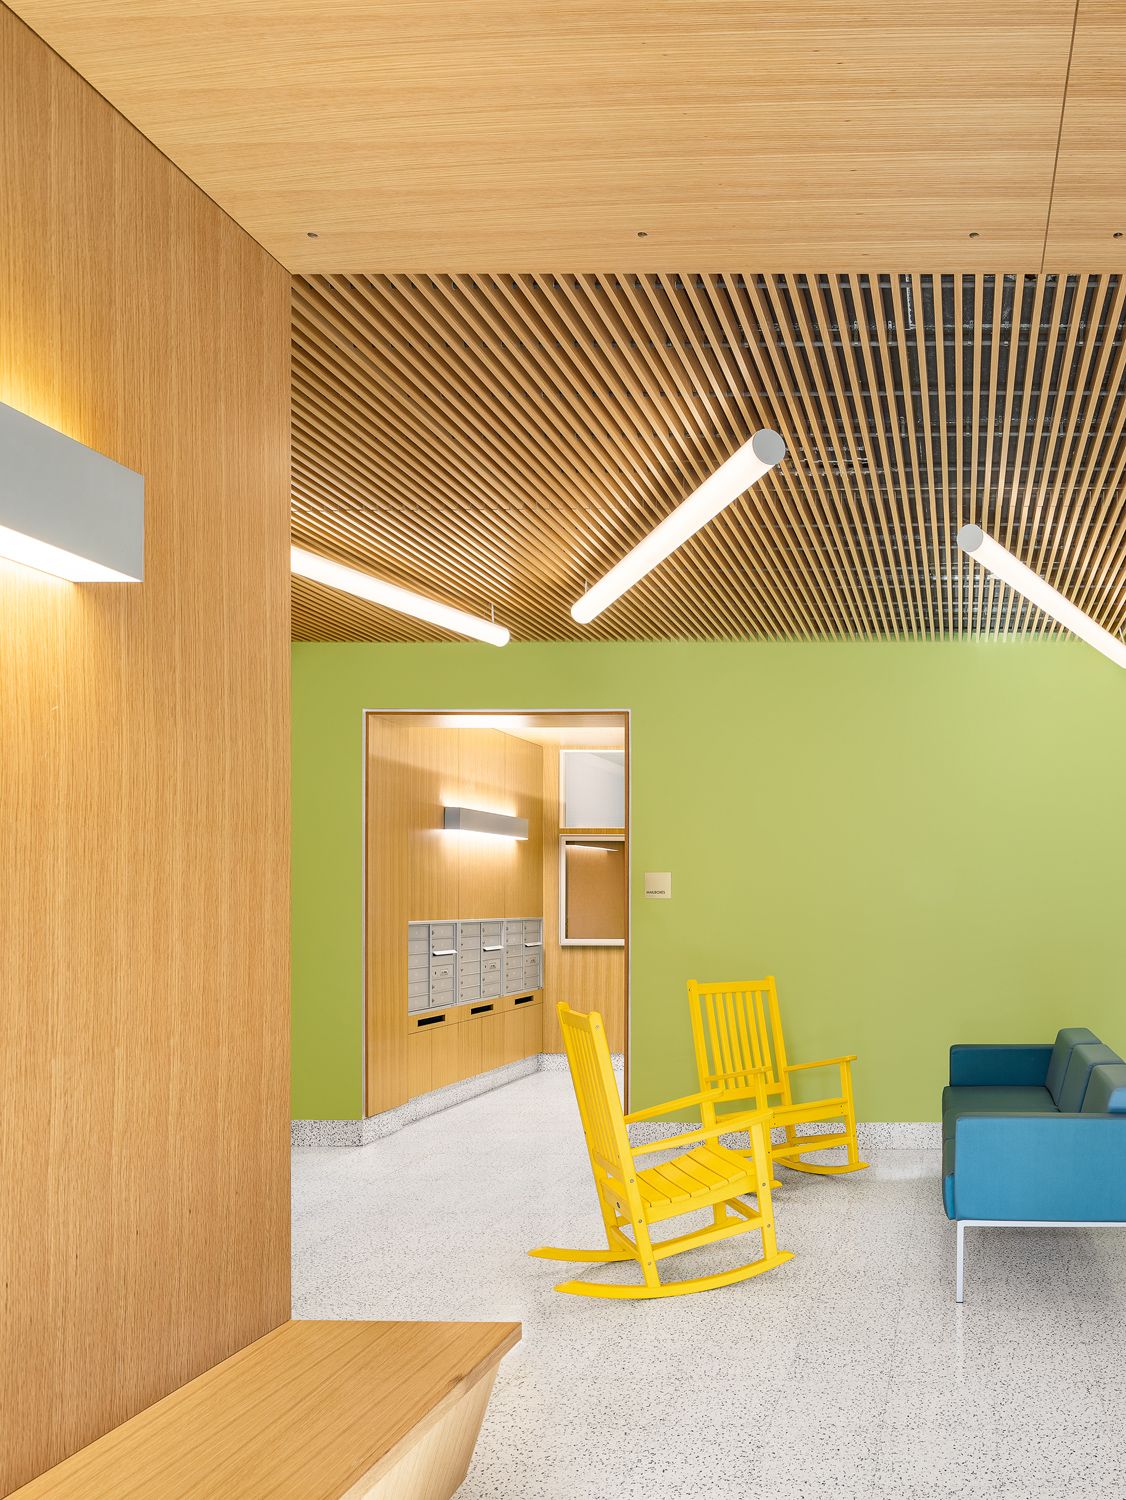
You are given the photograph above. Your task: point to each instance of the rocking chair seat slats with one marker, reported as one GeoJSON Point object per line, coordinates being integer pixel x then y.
{"type": "Point", "coordinates": [631, 1198]}
{"type": "Point", "coordinates": [679, 1185]}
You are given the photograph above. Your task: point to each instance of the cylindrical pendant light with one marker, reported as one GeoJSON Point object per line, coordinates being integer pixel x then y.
{"type": "Point", "coordinates": [1000, 561]}
{"type": "Point", "coordinates": [746, 465]}
{"type": "Point", "coordinates": [351, 581]}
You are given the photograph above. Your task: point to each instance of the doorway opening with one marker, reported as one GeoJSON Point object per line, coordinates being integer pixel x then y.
{"type": "Point", "coordinates": [496, 883]}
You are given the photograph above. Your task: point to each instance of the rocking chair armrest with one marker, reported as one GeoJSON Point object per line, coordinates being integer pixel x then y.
{"type": "Point", "coordinates": [715, 1095]}
{"type": "Point", "coordinates": [826, 1062]}
{"type": "Point", "coordinates": [710, 1133]}
{"type": "Point", "coordinates": [704, 1096]}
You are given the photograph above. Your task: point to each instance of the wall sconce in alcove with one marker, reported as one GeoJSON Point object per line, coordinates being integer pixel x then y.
{"type": "Point", "coordinates": [473, 820]}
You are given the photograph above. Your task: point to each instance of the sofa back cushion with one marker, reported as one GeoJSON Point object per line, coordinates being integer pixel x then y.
{"type": "Point", "coordinates": [1069, 1037]}
{"type": "Point", "coordinates": [1106, 1091]}
{"type": "Point", "coordinates": [1077, 1074]}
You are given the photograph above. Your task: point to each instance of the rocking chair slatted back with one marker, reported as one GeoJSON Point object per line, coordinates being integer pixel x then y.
{"type": "Point", "coordinates": [596, 1091]}
{"type": "Point", "coordinates": [736, 1029]}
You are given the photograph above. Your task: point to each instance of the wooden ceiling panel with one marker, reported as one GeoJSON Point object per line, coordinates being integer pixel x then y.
{"type": "Point", "coordinates": [1088, 217]}
{"type": "Point", "coordinates": [500, 441]}
{"type": "Point", "coordinates": [501, 133]}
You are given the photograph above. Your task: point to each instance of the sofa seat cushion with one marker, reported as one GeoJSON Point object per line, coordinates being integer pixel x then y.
{"type": "Point", "coordinates": [993, 1099]}
{"type": "Point", "coordinates": [1069, 1037]}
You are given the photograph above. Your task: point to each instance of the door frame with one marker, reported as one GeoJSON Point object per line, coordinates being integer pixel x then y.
{"type": "Point", "coordinates": [626, 715]}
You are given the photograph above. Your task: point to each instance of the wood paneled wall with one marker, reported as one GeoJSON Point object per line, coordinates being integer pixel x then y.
{"type": "Point", "coordinates": [144, 1213]}
{"type": "Point", "coordinates": [587, 978]}
{"type": "Point", "coordinates": [415, 871]}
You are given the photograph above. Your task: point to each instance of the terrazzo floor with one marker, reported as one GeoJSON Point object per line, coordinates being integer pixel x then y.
{"type": "Point", "coordinates": [847, 1372]}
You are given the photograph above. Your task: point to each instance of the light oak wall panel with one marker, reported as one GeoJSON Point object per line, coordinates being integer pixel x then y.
{"type": "Point", "coordinates": [524, 888]}
{"type": "Point", "coordinates": [415, 872]}
{"type": "Point", "coordinates": [144, 739]}
{"type": "Point", "coordinates": [486, 864]}
{"type": "Point", "coordinates": [428, 765]}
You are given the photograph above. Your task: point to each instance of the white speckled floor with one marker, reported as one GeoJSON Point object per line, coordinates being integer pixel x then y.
{"type": "Point", "coordinates": [848, 1372]}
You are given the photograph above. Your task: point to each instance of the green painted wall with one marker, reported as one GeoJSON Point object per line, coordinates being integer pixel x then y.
{"type": "Point", "coordinates": [923, 842]}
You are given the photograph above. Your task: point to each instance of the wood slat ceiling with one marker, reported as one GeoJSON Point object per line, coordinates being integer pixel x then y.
{"type": "Point", "coordinates": [498, 441]}
{"type": "Point", "coordinates": [843, 134]}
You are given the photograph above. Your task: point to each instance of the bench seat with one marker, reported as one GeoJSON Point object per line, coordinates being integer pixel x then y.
{"type": "Point", "coordinates": [313, 1411]}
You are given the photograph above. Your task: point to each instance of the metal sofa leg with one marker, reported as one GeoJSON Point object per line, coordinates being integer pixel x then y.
{"type": "Point", "coordinates": [959, 1293]}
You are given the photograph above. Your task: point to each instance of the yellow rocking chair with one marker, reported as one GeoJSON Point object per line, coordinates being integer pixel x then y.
{"type": "Point", "coordinates": [706, 1177]}
{"type": "Point", "coordinates": [737, 1034]}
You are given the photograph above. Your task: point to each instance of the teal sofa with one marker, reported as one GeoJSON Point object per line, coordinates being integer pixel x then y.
{"type": "Point", "coordinates": [1034, 1135]}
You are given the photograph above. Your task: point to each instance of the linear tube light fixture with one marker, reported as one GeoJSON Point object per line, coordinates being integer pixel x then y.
{"type": "Point", "coordinates": [364, 586]}
{"type": "Point", "coordinates": [746, 465]}
{"type": "Point", "coordinates": [1000, 561]}
{"type": "Point", "coordinates": [66, 509]}
{"type": "Point", "coordinates": [474, 820]}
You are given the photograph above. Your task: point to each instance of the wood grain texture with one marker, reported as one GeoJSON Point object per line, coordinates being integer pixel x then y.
{"type": "Point", "coordinates": [633, 136]}
{"type": "Point", "coordinates": [586, 978]}
{"type": "Point", "coordinates": [1087, 225]}
{"type": "Point", "coordinates": [503, 440]}
{"type": "Point", "coordinates": [416, 872]}
{"type": "Point", "coordinates": [438, 1462]}
{"type": "Point", "coordinates": [144, 1218]}
{"type": "Point", "coordinates": [312, 1411]}
{"type": "Point", "coordinates": [462, 1044]}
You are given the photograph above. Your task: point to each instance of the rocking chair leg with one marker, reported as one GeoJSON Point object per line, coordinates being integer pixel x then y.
{"type": "Point", "coordinates": [609, 1256]}
{"type": "Point", "coordinates": [760, 1154]}
{"type": "Point", "coordinates": [645, 1256]}
{"type": "Point", "coordinates": [853, 1157]}
{"type": "Point", "coordinates": [584, 1257]}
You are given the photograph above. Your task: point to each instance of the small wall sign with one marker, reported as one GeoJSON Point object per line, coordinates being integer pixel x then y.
{"type": "Point", "coordinates": [658, 884]}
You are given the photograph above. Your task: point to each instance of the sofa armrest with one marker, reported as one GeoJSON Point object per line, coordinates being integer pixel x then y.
{"type": "Point", "coordinates": [1004, 1066]}
{"type": "Point", "coordinates": [1040, 1166]}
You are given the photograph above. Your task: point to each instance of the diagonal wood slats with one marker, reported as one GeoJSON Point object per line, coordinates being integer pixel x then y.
{"type": "Point", "coordinates": [499, 441]}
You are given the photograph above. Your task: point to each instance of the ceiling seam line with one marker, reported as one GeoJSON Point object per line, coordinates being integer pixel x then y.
{"type": "Point", "coordinates": [1059, 136]}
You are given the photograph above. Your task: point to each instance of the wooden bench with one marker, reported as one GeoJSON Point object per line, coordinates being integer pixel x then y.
{"type": "Point", "coordinates": [313, 1411]}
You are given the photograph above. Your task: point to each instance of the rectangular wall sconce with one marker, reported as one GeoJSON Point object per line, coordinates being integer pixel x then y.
{"type": "Point", "coordinates": [473, 820]}
{"type": "Point", "coordinates": [65, 509]}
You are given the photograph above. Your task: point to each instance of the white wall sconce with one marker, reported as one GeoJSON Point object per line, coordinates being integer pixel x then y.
{"type": "Point", "coordinates": [473, 820]}
{"type": "Point", "coordinates": [65, 509]}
